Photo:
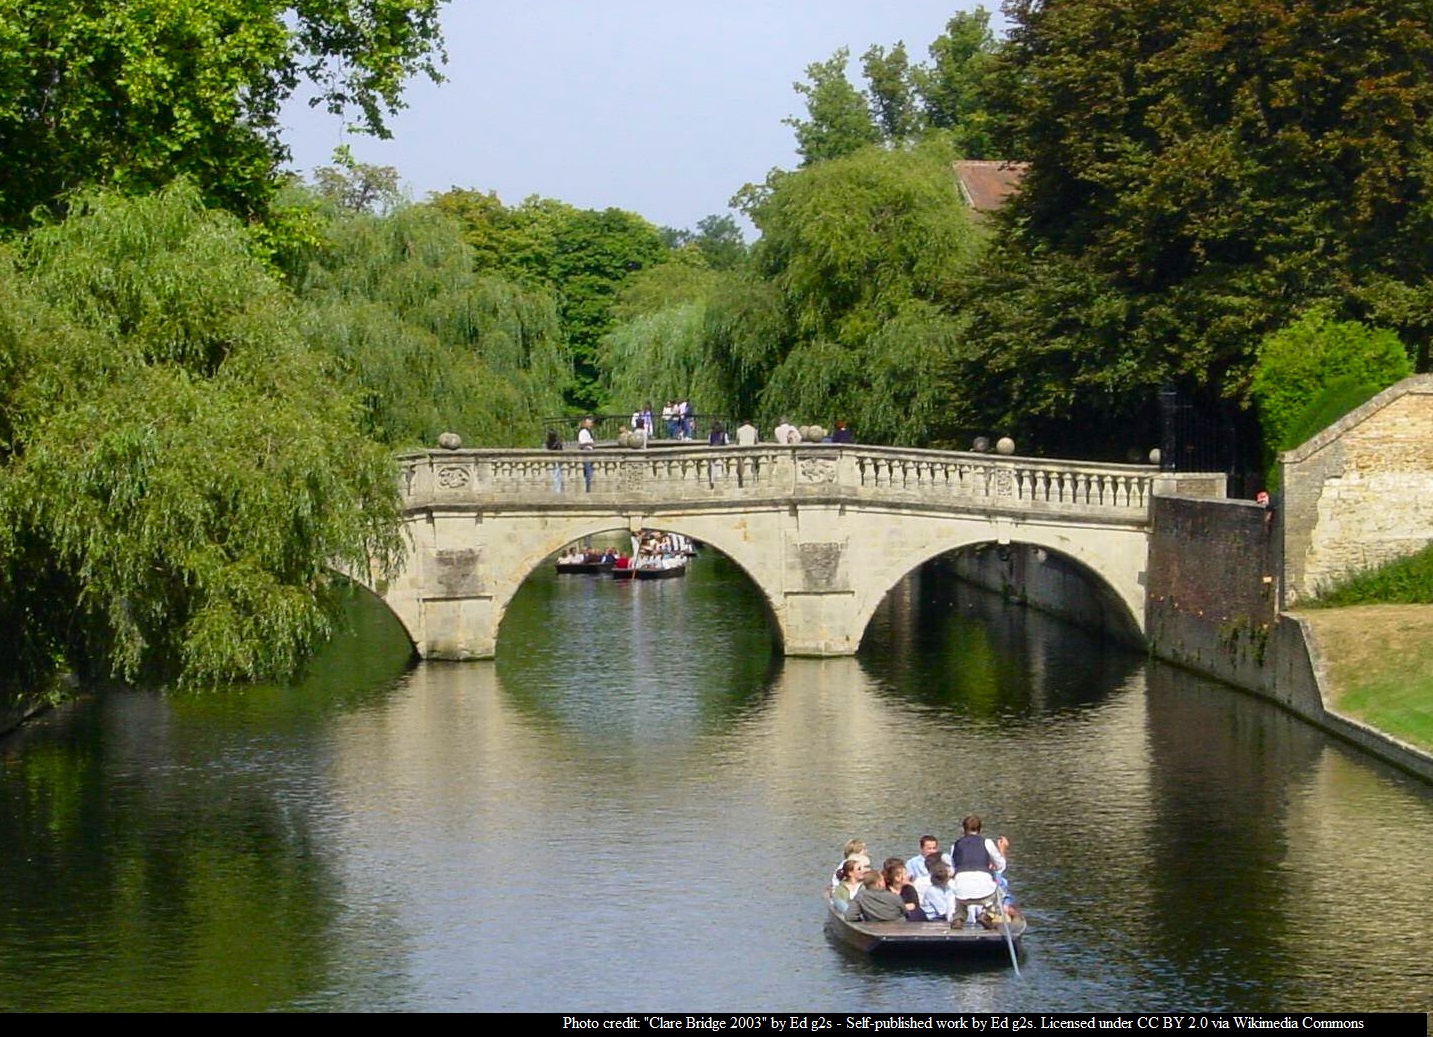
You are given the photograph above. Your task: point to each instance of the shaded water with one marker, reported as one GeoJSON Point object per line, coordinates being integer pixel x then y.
{"type": "Point", "coordinates": [637, 805]}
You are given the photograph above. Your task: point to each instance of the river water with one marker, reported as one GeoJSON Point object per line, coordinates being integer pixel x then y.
{"type": "Point", "coordinates": [636, 808]}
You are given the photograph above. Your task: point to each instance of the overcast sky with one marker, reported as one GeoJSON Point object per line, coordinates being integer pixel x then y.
{"type": "Point", "coordinates": [662, 107]}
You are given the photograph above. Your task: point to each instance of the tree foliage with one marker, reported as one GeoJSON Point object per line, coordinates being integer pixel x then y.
{"type": "Point", "coordinates": [838, 121]}
{"type": "Point", "coordinates": [1298, 362]}
{"type": "Point", "coordinates": [177, 472]}
{"type": "Point", "coordinates": [1199, 174]}
{"type": "Point", "coordinates": [956, 89]}
{"type": "Point", "coordinates": [863, 252]}
{"type": "Point", "coordinates": [428, 343]}
{"type": "Point", "coordinates": [902, 101]}
{"type": "Point", "coordinates": [584, 256]}
{"type": "Point", "coordinates": [132, 94]}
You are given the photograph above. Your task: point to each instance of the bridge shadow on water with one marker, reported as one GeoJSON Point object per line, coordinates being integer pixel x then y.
{"type": "Point", "coordinates": [948, 645]}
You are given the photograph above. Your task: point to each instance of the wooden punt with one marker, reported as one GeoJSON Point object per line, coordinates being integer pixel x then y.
{"type": "Point", "coordinates": [583, 568]}
{"type": "Point", "coordinates": [665, 569]}
{"type": "Point", "coordinates": [927, 939]}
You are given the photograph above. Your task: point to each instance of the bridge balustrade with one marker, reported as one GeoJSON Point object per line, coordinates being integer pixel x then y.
{"type": "Point", "coordinates": [770, 473]}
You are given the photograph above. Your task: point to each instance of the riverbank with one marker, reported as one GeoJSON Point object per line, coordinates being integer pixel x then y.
{"type": "Point", "coordinates": [16, 707]}
{"type": "Point", "coordinates": [1377, 667]}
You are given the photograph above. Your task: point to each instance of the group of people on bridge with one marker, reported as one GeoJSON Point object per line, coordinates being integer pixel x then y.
{"type": "Point", "coordinates": [965, 886]}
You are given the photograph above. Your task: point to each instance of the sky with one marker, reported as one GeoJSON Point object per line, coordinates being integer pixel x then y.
{"type": "Point", "coordinates": [662, 108]}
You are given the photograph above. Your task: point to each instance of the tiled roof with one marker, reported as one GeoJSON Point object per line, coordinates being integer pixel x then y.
{"type": "Point", "coordinates": [986, 184]}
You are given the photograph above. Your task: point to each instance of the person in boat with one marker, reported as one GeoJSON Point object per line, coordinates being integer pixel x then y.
{"type": "Point", "coordinates": [916, 866]}
{"type": "Point", "coordinates": [939, 900]}
{"type": "Point", "coordinates": [850, 874]}
{"type": "Point", "coordinates": [894, 870]}
{"type": "Point", "coordinates": [1007, 899]}
{"type": "Point", "coordinates": [875, 903]}
{"type": "Point", "coordinates": [975, 860]}
{"type": "Point", "coordinates": [854, 848]}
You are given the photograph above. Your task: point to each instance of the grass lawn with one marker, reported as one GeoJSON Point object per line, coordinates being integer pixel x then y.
{"type": "Point", "coordinates": [1380, 666]}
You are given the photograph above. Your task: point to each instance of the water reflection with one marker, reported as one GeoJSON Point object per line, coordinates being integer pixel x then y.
{"type": "Point", "coordinates": [636, 807]}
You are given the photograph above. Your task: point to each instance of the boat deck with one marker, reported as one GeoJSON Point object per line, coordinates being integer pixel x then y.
{"type": "Point", "coordinates": [932, 938]}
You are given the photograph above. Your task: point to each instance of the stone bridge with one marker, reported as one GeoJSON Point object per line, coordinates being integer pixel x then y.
{"type": "Point", "coordinates": [824, 530]}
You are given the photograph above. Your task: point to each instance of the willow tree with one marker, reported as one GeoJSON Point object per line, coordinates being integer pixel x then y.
{"type": "Point", "coordinates": [863, 251]}
{"type": "Point", "coordinates": [429, 344]}
{"type": "Point", "coordinates": [177, 473]}
{"type": "Point", "coordinates": [583, 256]}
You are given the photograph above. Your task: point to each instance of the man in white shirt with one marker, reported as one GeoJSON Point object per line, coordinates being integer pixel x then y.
{"type": "Point", "coordinates": [586, 441]}
{"type": "Point", "coordinates": [746, 434]}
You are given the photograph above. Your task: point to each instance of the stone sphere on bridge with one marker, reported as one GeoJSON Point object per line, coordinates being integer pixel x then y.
{"type": "Point", "coordinates": [981, 444]}
{"type": "Point", "coordinates": [813, 433]}
{"type": "Point", "coordinates": [1154, 456]}
{"type": "Point", "coordinates": [450, 441]}
{"type": "Point", "coordinates": [1005, 446]}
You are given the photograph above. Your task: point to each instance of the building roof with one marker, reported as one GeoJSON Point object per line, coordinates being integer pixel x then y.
{"type": "Point", "coordinates": [985, 184]}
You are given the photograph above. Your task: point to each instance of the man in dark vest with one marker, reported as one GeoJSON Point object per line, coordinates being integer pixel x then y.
{"type": "Point", "coordinates": [975, 860]}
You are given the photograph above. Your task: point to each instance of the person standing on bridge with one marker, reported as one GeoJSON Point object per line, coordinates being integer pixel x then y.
{"type": "Point", "coordinates": [554, 442]}
{"type": "Point", "coordinates": [585, 441]}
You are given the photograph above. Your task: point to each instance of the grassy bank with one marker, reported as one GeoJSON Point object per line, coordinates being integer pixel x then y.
{"type": "Point", "coordinates": [1380, 666]}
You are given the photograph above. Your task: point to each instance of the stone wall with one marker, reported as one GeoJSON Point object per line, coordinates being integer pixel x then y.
{"type": "Point", "coordinates": [1212, 608]}
{"type": "Point", "coordinates": [1360, 493]}
{"type": "Point", "coordinates": [1051, 582]}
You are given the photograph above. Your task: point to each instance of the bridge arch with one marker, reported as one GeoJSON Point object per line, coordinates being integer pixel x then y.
{"type": "Point", "coordinates": [577, 530]}
{"type": "Point", "coordinates": [1119, 597]}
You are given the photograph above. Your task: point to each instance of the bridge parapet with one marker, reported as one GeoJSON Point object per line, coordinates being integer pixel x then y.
{"type": "Point", "coordinates": [764, 473]}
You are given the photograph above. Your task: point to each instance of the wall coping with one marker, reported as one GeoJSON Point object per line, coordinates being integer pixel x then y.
{"type": "Point", "coordinates": [1414, 385]}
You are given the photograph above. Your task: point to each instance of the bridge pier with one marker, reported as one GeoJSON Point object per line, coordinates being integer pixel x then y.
{"type": "Point", "coordinates": [820, 624]}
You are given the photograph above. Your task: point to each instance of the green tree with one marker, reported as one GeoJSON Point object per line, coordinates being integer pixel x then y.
{"type": "Point", "coordinates": [890, 92]}
{"type": "Point", "coordinates": [1298, 362]}
{"type": "Point", "coordinates": [178, 473]}
{"type": "Point", "coordinates": [428, 343]}
{"type": "Point", "coordinates": [955, 88]}
{"type": "Point", "coordinates": [838, 119]}
{"type": "Point", "coordinates": [863, 251]}
{"type": "Point", "coordinates": [583, 255]}
{"type": "Point", "coordinates": [357, 187]}
{"type": "Point", "coordinates": [717, 238]}
{"type": "Point", "coordinates": [1219, 167]}
{"type": "Point", "coordinates": [132, 94]}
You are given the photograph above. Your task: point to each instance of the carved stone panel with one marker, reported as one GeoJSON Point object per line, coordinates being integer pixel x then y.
{"type": "Point", "coordinates": [454, 477]}
{"type": "Point", "coordinates": [1004, 482]}
{"type": "Point", "coordinates": [820, 565]}
{"type": "Point", "coordinates": [455, 573]}
{"type": "Point", "coordinates": [817, 469]}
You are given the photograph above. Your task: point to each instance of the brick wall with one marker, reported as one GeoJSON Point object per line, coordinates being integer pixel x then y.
{"type": "Point", "coordinates": [1212, 588]}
